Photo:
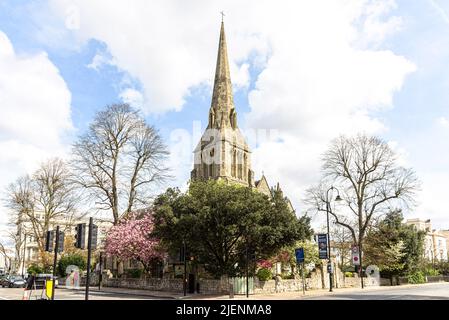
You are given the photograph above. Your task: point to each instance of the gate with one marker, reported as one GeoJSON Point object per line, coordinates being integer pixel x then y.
{"type": "Point", "coordinates": [240, 285]}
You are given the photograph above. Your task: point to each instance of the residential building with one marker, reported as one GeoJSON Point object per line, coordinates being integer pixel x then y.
{"type": "Point", "coordinates": [436, 242]}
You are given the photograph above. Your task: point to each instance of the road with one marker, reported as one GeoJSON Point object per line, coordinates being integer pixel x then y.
{"type": "Point", "coordinates": [433, 291]}
{"type": "Point", "coordinates": [63, 294]}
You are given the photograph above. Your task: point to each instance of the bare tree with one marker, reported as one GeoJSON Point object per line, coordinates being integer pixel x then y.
{"type": "Point", "coordinates": [370, 182]}
{"type": "Point", "coordinates": [342, 241]}
{"type": "Point", "coordinates": [6, 255]}
{"type": "Point", "coordinates": [38, 202]}
{"type": "Point", "coordinates": [20, 200]}
{"type": "Point", "coordinates": [119, 159]}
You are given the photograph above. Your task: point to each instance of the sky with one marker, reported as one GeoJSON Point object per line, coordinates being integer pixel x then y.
{"type": "Point", "coordinates": [303, 73]}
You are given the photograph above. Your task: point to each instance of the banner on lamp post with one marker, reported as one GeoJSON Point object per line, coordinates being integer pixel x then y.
{"type": "Point", "coordinates": [322, 246]}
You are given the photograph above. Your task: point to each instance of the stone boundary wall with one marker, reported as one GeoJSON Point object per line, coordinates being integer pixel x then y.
{"type": "Point", "coordinates": [222, 286]}
{"type": "Point", "coordinates": [211, 286]}
{"type": "Point", "coordinates": [207, 286]}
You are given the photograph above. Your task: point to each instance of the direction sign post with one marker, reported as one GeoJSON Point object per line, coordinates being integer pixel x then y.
{"type": "Point", "coordinates": [355, 255]}
{"type": "Point", "coordinates": [300, 259]}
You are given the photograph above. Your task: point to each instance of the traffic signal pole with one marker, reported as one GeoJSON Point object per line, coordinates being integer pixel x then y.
{"type": "Point", "coordinates": [54, 263]}
{"type": "Point", "coordinates": [89, 249]}
{"type": "Point", "coordinates": [247, 270]}
{"type": "Point", "coordinates": [185, 267]}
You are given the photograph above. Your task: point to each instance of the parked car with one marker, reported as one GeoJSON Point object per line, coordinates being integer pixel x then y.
{"type": "Point", "coordinates": [13, 282]}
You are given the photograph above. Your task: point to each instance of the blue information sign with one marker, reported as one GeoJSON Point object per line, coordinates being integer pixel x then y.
{"type": "Point", "coordinates": [299, 253]}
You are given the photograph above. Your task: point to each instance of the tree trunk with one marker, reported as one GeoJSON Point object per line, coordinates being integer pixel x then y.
{"type": "Point", "coordinates": [323, 282]}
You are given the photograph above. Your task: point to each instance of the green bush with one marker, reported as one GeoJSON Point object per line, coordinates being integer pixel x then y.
{"type": "Point", "coordinates": [134, 273]}
{"type": "Point", "coordinates": [264, 274]}
{"type": "Point", "coordinates": [416, 278]}
{"type": "Point", "coordinates": [431, 272]}
{"type": "Point", "coordinates": [34, 269]}
{"type": "Point", "coordinates": [287, 276]}
{"type": "Point", "coordinates": [349, 274]}
{"type": "Point", "coordinates": [74, 259]}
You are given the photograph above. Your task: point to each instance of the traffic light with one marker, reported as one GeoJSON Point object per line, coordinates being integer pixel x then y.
{"type": "Point", "coordinates": [49, 241]}
{"type": "Point", "coordinates": [80, 235]}
{"type": "Point", "coordinates": [93, 244]}
{"type": "Point", "coordinates": [61, 242]}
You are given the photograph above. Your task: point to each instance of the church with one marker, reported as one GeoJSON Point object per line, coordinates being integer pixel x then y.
{"type": "Point", "coordinates": [223, 153]}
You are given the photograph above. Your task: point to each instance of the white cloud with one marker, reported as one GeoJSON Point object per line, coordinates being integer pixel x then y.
{"type": "Point", "coordinates": [98, 61]}
{"type": "Point", "coordinates": [133, 97]}
{"type": "Point", "coordinates": [169, 46]}
{"type": "Point", "coordinates": [35, 113]}
{"type": "Point", "coordinates": [443, 121]}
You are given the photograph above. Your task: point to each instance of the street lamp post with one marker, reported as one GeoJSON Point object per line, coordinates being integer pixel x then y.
{"type": "Point", "coordinates": [329, 237]}
{"type": "Point", "coordinates": [24, 256]}
{"type": "Point", "coordinates": [184, 249]}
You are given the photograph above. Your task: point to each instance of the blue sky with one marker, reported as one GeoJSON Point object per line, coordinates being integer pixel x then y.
{"type": "Point", "coordinates": [309, 70]}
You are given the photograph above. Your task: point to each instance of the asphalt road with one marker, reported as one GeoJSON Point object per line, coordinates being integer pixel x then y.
{"type": "Point", "coordinates": [433, 291]}
{"type": "Point", "coordinates": [63, 294]}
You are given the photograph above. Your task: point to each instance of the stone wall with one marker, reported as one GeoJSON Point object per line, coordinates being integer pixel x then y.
{"type": "Point", "coordinates": [222, 286]}
{"type": "Point", "coordinates": [206, 286]}
{"type": "Point", "coordinates": [145, 284]}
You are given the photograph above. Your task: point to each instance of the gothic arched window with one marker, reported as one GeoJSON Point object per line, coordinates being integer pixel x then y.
{"type": "Point", "coordinates": [240, 166]}
{"type": "Point", "coordinates": [234, 163]}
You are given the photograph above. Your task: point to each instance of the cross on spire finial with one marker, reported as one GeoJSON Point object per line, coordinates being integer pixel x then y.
{"type": "Point", "coordinates": [222, 16]}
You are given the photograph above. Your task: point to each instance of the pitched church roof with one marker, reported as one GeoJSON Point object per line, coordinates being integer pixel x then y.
{"type": "Point", "coordinates": [263, 186]}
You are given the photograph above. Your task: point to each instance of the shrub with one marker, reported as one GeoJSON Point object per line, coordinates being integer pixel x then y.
{"type": "Point", "coordinates": [264, 274]}
{"type": "Point", "coordinates": [349, 274]}
{"type": "Point", "coordinates": [34, 268]}
{"type": "Point", "coordinates": [265, 264]}
{"type": "Point", "coordinates": [74, 259]}
{"type": "Point", "coordinates": [416, 278]}
{"type": "Point", "coordinates": [431, 272]}
{"type": "Point", "coordinates": [287, 276]}
{"type": "Point", "coordinates": [134, 273]}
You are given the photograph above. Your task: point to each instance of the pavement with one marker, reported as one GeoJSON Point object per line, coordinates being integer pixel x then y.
{"type": "Point", "coordinates": [430, 291]}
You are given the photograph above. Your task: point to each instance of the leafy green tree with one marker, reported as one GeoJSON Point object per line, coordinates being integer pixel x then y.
{"type": "Point", "coordinates": [394, 247]}
{"type": "Point", "coordinates": [414, 248]}
{"type": "Point", "coordinates": [74, 259]}
{"type": "Point", "coordinates": [220, 222]}
{"type": "Point", "coordinates": [384, 245]}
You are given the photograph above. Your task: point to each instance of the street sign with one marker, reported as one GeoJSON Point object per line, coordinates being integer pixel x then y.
{"type": "Point", "coordinates": [355, 255]}
{"type": "Point", "coordinates": [322, 246]}
{"type": "Point", "coordinates": [299, 253]}
{"type": "Point", "coordinates": [330, 268]}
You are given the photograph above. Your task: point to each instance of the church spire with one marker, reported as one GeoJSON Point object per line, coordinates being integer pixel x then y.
{"type": "Point", "coordinates": [222, 107]}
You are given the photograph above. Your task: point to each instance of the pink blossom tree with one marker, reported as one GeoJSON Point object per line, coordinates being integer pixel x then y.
{"type": "Point", "coordinates": [131, 238]}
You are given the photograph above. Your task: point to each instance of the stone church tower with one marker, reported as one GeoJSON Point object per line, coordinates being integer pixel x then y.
{"type": "Point", "coordinates": [223, 152]}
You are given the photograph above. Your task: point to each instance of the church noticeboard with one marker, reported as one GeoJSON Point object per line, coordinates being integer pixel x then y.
{"type": "Point", "coordinates": [179, 269]}
{"type": "Point", "coordinates": [322, 246]}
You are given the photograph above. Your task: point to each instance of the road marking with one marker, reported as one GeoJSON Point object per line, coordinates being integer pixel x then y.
{"type": "Point", "coordinates": [3, 298]}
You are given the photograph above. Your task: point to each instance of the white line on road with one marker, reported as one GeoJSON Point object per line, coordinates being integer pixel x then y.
{"type": "Point", "coordinates": [3, 298]}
